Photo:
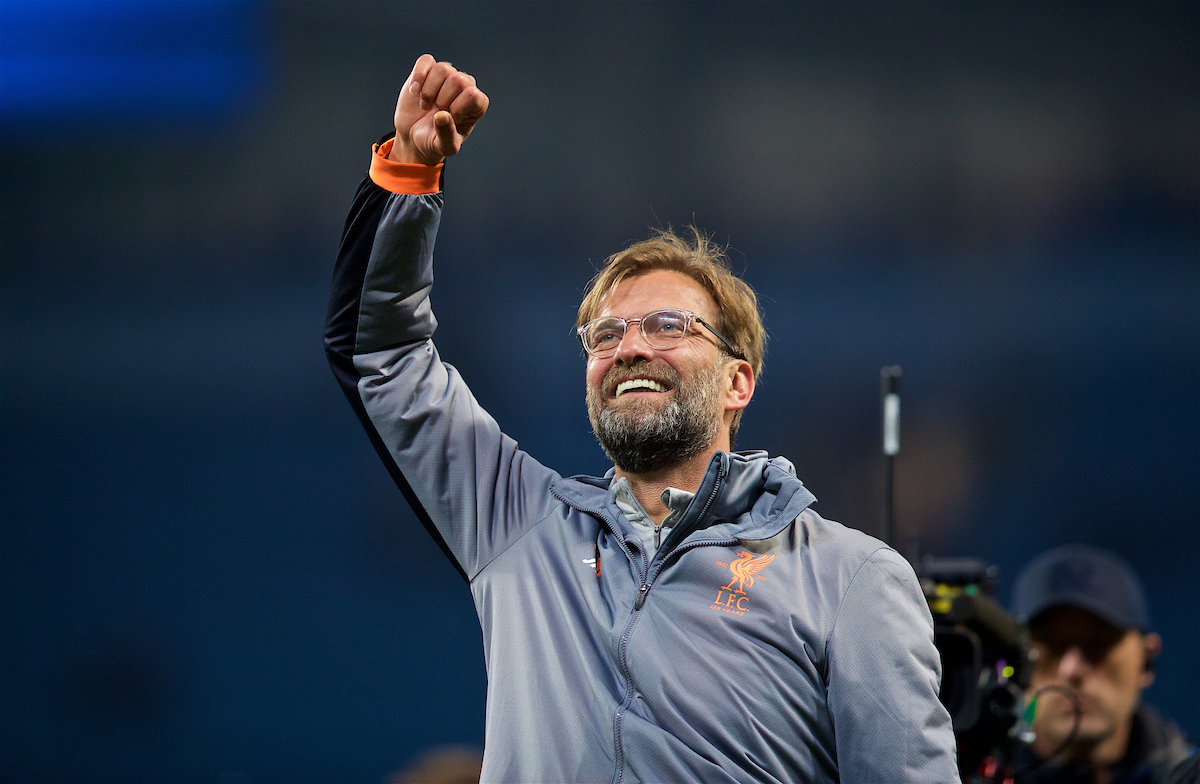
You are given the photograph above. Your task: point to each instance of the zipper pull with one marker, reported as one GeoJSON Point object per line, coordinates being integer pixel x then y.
{"type": "Point", "coordinates": [657, 536]}
{"type": "Point", "coordinates": [641, 597]}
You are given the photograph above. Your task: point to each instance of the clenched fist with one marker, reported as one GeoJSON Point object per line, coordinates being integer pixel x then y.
{"type": "Point", "coordinates": [436, 111]}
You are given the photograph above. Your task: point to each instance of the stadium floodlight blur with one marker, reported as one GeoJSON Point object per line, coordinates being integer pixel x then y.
{"type": "Point", "coordinates": [127, 65]}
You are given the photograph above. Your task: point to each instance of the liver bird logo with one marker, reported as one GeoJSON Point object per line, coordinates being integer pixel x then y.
{"type": "Point", "coordinates": [744, 567]}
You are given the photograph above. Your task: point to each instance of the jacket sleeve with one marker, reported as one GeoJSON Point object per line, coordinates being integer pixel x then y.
{"type": "Point", "coordinates": [470, 486]}
{"type": "Point", "coordinates": [884, 673]}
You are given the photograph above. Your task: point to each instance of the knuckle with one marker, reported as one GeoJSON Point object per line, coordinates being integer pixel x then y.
{"type": "Point", "coordinates": [473, 100]}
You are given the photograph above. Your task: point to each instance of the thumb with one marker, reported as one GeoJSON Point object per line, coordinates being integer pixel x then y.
{"type": "Point", "coordinates": [448, 139]}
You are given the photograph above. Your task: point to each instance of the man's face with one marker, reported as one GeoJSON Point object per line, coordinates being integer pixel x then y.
{"type": "Point", "coordinates": [1105, 665]}
{"type": "Point", "coordinates": [645, 427]}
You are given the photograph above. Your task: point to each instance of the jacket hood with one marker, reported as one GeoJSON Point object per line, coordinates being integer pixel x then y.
{"type": "Point", "coordinates": [743, 495]}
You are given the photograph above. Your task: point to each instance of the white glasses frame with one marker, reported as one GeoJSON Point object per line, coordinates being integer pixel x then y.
{"type": "Point", "coordinates": [688, 319]}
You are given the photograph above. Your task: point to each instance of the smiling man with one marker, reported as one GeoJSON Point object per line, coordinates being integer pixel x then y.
{"type": "Point", "coordinates": [686, 617]}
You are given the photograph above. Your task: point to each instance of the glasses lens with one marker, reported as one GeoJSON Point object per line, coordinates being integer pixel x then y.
{"type": "Point", "coordinates": [664, 328]}
{"type": "Point", "coordinates": [603, 335]}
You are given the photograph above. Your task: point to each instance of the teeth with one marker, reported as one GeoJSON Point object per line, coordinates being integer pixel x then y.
{"type": "Point", "coordinates": [637, 384]}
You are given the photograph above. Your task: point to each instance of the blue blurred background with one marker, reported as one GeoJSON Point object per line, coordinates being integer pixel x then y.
{"type": "Point", "coordinates": [205, 573]}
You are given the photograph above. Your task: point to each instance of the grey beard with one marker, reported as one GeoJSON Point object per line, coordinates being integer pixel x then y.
{"type": "Point", "coordinates": [642, 440]}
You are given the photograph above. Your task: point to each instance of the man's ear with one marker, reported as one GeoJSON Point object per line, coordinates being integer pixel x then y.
{"type": "Point", "coordinates": [740, 384]}
{"type": "Point", "coordinates": [1151, 648]}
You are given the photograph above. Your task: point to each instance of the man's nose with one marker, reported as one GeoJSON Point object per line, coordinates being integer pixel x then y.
{"type": "Point", "coordinates": [633, 346]}
{"type": "Point", "coordinates": [1073, 663]}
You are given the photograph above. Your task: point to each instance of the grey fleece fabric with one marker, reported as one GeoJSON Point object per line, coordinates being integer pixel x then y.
{"type": "Point", "coordinates": [649, 535]}
{"type": "Point", "coordinates": [760, 643]}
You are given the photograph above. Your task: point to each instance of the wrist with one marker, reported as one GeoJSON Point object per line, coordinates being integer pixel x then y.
{"type": "Point", "coordinates": [399, 176]}
{"type": "Point", "coordinates": [402, 151]}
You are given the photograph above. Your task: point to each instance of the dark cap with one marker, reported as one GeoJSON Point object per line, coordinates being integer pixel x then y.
{"type": "Point", "coordinates": [1086, 577]}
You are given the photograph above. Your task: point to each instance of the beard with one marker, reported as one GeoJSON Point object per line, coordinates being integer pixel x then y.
{"type": "Point", "coordinates": [647, 435]}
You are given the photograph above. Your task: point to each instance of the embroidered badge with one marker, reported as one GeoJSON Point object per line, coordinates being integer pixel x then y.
{"type": "Point", "coordinates": [745, 566]}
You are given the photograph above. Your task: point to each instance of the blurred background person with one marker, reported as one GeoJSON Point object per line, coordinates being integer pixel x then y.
{"type": "Point", "coordinates": [1094, 655]}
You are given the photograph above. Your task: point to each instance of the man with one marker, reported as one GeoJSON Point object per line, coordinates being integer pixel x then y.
{"type": "Point", "coordinates": [686, 618]}
{"type": "Point", "coordinates": [1094, 649]}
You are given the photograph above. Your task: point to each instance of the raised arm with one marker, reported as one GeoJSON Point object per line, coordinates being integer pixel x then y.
{"type": "Point", "coordinates": [464, 478]}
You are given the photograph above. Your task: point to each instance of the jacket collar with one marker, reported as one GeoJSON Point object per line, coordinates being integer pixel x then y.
{"type": "Point", "coordinates": [744, 495]}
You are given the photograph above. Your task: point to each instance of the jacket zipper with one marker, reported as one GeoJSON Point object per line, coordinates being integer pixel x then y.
{"type": "Point", "coordinates": [641, 596]}
{"type": "Point", "coordinates": [647, 579]}
{"type": "Point", "coordinates": [652, 572]}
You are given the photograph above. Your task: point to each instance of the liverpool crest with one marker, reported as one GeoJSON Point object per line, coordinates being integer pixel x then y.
{"type": "Point", "coordinates": [745, 566]}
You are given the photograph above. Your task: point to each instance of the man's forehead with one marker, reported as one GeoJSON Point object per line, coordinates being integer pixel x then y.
{"type": "Point", "coordinates": [648, 291]}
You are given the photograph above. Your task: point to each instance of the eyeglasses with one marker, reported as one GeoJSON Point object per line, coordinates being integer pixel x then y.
{"type": "Point", "coordinates": [1093, 648]}
{"type": "Point", "coordinates": [662, 329]}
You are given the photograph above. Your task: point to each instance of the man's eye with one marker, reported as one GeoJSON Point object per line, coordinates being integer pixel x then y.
{"type": "Point", "coordinates": [668, 326]}
{"type": "Point", "coordinates": [606, 337]}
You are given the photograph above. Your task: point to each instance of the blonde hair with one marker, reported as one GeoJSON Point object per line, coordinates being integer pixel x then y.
{"type": "Point", "coordinates": [738, 317]}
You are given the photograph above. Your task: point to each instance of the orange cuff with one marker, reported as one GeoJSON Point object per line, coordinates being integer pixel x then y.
{"type": "Point", "coordinates": [410, 178]}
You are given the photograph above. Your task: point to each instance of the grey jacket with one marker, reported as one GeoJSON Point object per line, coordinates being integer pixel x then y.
{"type": "Point", "coordinates": [761, 643]}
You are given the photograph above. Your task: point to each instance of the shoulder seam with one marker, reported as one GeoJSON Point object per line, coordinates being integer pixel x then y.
{"type": "Point", "coordinates": [513, 543]}
{"type": "Point", "coordinates": [842, 599]}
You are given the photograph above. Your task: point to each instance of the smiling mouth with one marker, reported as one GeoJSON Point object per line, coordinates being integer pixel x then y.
{"type": "Point", "coordinates": [639, 385]}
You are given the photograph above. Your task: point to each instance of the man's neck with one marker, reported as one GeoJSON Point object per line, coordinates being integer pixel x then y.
{"type": "Point", "coordinates": [648, 487]}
